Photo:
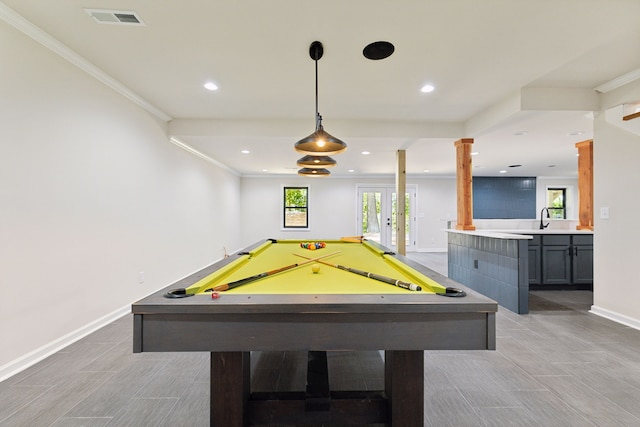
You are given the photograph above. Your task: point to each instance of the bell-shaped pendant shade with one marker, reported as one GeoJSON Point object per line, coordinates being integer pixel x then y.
{"type": "Point", "coordinates": [316, 162]}
{"type": "Point", "coordinates": [320, 143]}
{"type": "Point", "coordinates": [313, 172]}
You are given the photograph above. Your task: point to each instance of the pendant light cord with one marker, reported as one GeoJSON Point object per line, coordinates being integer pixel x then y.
{"type": "Point", "coordinates": [318, 117]}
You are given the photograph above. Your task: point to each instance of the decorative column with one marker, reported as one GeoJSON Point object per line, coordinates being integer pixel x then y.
{"type": "Point", "coordinates": [464, 184]}
{"type": "Point", "coordinates": [401, 191]}
{"type": "Point", "coordinates": [585, 185]}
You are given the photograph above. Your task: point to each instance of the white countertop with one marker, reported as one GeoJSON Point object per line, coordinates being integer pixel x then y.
{"type": "Point", "coordinates": [496, 234]}
{"type": "Point", "coordinates": [545, 231]}
{"type": "Point", "coordinates": [516, 234]}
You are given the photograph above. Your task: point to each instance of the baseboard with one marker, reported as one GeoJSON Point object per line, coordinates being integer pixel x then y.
{"type": "Point", "coordinates": [616, 317]}
{"type": "Point", "coordinates": [20, 364]}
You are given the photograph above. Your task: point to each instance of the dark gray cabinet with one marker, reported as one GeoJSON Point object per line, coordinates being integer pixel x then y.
{"type": "Point", "coordinates": [535, 258]}
{"type": "Point", "coordinates": [556, 259]}
{"type": "Point", "coordinates": [561, 261]}
{"type": "Point", "coordinates": [582, 259]}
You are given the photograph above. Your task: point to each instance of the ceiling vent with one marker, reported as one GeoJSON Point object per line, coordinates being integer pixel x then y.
{"type": "Point", "coordinates": [114, 17]}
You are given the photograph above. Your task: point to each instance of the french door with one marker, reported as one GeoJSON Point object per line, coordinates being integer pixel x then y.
{"type": "Point", "coordinates": [377, 214]}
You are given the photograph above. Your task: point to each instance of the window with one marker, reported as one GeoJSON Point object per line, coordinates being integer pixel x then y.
{"type": "Point", "coordinates": [557, 202]}
{"type": "Point", "coordinates": [296, 207]}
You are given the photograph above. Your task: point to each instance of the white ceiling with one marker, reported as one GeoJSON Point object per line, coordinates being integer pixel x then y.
{"type": "Point", "coordinates": [500, 67]}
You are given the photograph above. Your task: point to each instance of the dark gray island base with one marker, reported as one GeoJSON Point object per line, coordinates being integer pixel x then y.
{"type": "Point", "coordinates": [505, 264]}
{"type": "Point", "coordinates": [230, 327]}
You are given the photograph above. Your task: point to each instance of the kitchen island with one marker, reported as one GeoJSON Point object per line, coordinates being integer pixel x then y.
{"type": "Point", "coordinates": [504, 264]}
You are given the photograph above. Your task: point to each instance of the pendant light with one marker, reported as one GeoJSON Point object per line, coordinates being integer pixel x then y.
{"type": "Point", "coordinates": [319, 143]}
{"type": "Point", "coordinates": [316, 162]}
{"type": "Point", "coordinates": [313, 172]}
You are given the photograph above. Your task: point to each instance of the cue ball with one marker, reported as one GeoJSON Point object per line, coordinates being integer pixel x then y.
{"type": "Point", "coordinates": [215, 295]}
{"type": "Point", "coordinates": [315, 268]}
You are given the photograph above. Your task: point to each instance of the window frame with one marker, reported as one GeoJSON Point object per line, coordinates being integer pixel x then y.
{"type": "Point", "coordinates": [564, 201]}
{"type": "Point", "coordinates": [286, 208]}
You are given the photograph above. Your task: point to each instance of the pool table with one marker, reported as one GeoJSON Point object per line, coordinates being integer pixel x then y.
{"type": "Point", "coordinates": [303, 308]}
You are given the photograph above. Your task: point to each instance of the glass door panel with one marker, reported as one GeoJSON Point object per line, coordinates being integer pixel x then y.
{"type": "Point", "coordinates": [373, 227]}
{"type": "Point", "coordinates": [377, 215]}
{"type": "Point", "coordinates": [407, 223]}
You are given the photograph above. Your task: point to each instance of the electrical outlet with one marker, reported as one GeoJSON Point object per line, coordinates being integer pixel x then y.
{"type": "Point", "coordinates": [141, 277]}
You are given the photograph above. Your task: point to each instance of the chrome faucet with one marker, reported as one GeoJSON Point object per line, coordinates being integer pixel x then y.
{"type": "Point", "coordinates": [542, 225]}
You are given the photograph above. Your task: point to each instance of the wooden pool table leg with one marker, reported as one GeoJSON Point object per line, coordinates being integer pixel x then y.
{"type": "Point", "coordinates": [404, 385]}
{"type": "Point", "coordinates": [230, 388]}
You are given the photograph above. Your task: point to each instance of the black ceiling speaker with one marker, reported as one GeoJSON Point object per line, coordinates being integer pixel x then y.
{"type": "Point", "coordinates": [378, 50]}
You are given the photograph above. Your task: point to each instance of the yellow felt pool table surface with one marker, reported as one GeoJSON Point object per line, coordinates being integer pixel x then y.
{"type": "Point", "coordinates": [272, 255]}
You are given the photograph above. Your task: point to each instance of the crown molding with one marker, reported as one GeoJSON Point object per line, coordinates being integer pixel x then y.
{"type": "Point", "coordinates": [619, 81]}
{"type": "Point", "coordinates": [175, 141]}
{"type": "Point", "coordinates": [21, 24]}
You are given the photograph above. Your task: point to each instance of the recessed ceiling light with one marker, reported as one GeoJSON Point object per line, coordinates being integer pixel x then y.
{"type": "Point", "coordinates": [576, 133]}
{"type": "Point", "coordinates": [503, 171]}
{"type": "Point", "coordinates": [475, 153]}
{"type": "Point", "coordinates": [520, 133]}
{"type": "Point", "coordinates": [245, 151]}
{"type": "Point", "coordinates": [427, 88]}
{"type": "Point", "coordinates": [366, 153]}
{"type": "Point", "coordinates": [265, 170]}
{"type": "Point", "coordinates": [426, 171]}
{"type": "Point", "coordinates": [211, 86]}
{"type": "Point", "coordinates": [351, 170]}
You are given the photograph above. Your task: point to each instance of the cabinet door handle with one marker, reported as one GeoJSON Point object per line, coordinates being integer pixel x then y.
{"type": "Point", "coordinates": [575, 251]}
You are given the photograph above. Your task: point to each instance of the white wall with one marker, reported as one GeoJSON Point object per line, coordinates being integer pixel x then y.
{"type": "Point", "coordinates": [436, 200]}
{"type": "Point", "coordinates": [616, 178]}
{"type": "Point", "coordinates": [571, 184]}
{"type": "Point", "coordinates": [332, 208]}
{"type": "Point", "coordinates": [91, 194]}
{"type": "Point", "coordinates": [333, 204]}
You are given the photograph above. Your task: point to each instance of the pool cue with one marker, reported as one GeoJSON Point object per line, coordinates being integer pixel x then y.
{"type": "Point", "coordinates": [352, 239]}
{"type": "Point", "coordinates": [240, 282]}
{"type": "Point", "coordinates": [394, 282]}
